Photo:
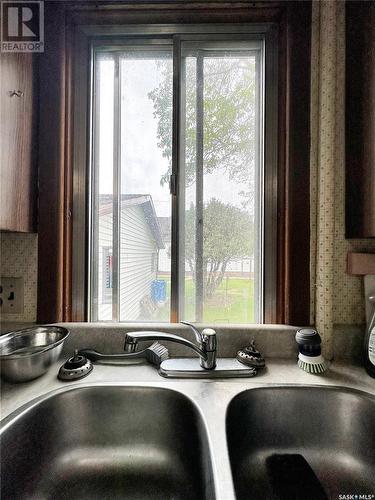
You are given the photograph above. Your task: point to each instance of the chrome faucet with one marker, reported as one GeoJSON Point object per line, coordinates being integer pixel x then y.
{"type": "Point", "coordinates": [206, 348]}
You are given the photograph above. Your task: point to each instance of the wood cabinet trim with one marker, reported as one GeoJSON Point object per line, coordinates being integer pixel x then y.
{"type": "Point", "coordinates": [19, 131]}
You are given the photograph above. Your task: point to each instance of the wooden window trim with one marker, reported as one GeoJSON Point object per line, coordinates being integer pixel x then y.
{"type": "Point", "coordinates": [68, 27]}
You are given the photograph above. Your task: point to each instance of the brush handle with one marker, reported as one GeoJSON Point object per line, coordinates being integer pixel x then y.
{"type": "Point", "coordinates": [98, 356]}
{"type": "Point", "coordinates": [308, 341]}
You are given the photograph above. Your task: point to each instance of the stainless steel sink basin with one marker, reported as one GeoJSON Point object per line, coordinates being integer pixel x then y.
{"type": "Point", "coordinates": [107, 443]}
{"type": "Point", "coordinates": [297, 442]}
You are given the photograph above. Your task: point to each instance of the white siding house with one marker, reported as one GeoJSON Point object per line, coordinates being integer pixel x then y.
{"type": "Point", "coordinates": [140, 242]}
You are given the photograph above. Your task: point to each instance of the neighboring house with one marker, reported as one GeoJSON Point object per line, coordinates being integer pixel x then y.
{"type": "Point", "coordinates": [140, 243]}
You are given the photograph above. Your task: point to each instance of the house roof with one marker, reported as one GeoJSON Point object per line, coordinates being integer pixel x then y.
{"type": "Point", "coordinates": [127, 200]}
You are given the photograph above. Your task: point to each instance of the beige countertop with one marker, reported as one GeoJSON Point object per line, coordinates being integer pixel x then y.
{"type": "Point", "coordinates": [277, 372]}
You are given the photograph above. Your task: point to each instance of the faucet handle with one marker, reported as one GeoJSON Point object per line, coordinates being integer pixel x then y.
{"type": "Point", "coordinates": [206, 338]}
{"type": "Point", "coordinates": [197, 333]}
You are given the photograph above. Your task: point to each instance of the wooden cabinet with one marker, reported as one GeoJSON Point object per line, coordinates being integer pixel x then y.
{"type": "Point", "coordinates": [18, 136]}
{"type": "Point", "coordinates": [360, 119]}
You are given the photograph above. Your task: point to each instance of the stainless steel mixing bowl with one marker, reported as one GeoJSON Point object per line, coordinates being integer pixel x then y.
{"type": "Point", "coordinates": [27, 354]}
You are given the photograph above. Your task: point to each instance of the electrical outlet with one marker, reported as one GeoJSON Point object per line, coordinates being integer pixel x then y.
{"type": "Point", "coordinates": [11, 295]}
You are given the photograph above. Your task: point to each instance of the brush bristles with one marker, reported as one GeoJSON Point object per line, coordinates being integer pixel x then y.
{"type": "Point", "coordinates": [157, 353]}
{"type": "Point", "coordinates": [315, 368]}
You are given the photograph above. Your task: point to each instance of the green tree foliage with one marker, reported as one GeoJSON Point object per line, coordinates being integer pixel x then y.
{"type": "Point", "coordinates": [227, 235]}
{"type": "Point", "coordinates": [229, 117]}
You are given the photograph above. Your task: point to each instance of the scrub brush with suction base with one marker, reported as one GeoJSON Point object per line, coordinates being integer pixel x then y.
{"type": "Point", "coordinates": [310, 357]}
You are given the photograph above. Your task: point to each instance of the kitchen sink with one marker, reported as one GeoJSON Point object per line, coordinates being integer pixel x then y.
{"type": "Point", "coordinates": [302, 443]}
{"type": "Point", "coordinates": [107, 442]}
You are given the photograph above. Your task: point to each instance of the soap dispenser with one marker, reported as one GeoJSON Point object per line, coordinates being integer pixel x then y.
{"type": "Point", "coordinates": [370, 341]}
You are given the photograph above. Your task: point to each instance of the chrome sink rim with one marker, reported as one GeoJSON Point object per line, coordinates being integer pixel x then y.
{"type": "Point", "coordinates": [16, 414]}
{"type": "Point", "coordinates": [171, 386]}
{"type": "Point", "coordinates": [335, 388]}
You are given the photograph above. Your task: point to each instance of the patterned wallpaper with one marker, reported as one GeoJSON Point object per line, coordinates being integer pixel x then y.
{"type": "Point", "coordinates": [336, 297]}
{"type": "Point", "coordinates": [18, 258]}
{"type": "Point", "coordinates": [322, 163]}
{"type": "Point", "coordinates": [348, 300]}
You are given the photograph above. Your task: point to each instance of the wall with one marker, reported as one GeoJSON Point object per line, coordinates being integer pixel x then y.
{"type": "Point", "coordinates": [348, 295]}
{"type": "Point", "coordinates": [18, 258]}
{"type": "Point", "coordinates": [136, 273]}
{"type": "Point", "coordinates": [337, 298]}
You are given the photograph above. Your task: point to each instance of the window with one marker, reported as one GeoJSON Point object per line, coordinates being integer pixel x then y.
{"type": "Point", "coordinates": [220, 191]}
{"type": "Point", "coordinates": [183, 179]}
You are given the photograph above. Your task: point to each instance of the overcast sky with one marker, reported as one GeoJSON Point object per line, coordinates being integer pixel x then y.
{"type": "Point", "coordinates": [142, 162]}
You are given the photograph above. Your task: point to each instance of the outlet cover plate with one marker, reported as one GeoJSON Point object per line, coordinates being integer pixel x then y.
{"type": "Point", "coordinates": [11, 295]}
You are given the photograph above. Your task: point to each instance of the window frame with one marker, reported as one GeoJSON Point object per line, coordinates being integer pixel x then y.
{"type": "Point", "coordinates": [265, 34]}
{"type": "Point", "coordinates": [64, 84]}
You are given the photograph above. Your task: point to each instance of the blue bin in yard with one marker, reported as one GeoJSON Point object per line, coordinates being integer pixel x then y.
{"type": "Point", "coordinates": [159, 291]}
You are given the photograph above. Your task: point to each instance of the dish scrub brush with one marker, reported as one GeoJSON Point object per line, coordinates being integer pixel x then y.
{"type": "Point", "coordinates": [310, 356]}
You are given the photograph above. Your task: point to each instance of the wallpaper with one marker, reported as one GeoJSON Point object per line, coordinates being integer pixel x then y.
{"type": "Point", "coordinates": [18, 258]}
{"type": "Point", "coordinates": [336, 297]}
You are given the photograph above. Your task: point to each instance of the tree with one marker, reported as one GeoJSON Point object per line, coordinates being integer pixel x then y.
{"type": "Point", "coordinates": [229, 127]}
{"type": "Point", "coordinates": [227, 235]}
{"type": "Point", "coordinates": [229, 147]}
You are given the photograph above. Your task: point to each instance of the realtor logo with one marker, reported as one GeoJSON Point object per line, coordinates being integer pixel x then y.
{"type": "Point", "coordinates": [22, 26]}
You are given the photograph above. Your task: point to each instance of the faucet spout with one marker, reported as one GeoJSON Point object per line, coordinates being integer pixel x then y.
{"type": "Point", "coordinates": [207, 357]}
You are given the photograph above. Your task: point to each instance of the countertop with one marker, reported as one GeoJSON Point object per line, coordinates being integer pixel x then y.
{"type": "Point", "coordinates": [277, 372]}
{"type": "Point", "coordinates": [211, 397]}
{"type": "Point", "coordinates": [276, 342]}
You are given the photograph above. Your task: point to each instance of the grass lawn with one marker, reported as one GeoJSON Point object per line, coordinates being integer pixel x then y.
{"type": "Point", "coordinates": [232, 302]}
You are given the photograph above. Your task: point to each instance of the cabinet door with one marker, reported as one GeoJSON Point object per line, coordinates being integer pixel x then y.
{"type": "Point", "coordinates": [18, 134]}
{"type": "Point", "coordinates": [360, 119]}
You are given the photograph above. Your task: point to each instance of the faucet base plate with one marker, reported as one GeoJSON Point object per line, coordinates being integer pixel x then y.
{"type": "Point", "coordinates": [190, 368]}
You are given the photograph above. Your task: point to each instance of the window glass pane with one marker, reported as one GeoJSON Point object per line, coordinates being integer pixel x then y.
{"type": "Point", "coordinates": [103, 202]}
{"type": "Point", "coordinates": [220, 182]}
{"type": "Point", "coordinates": [131, 230]}
{"type": "Point", "coordinates": [221, 212]}
{"type": "Point", "coordinates": [145, 214]}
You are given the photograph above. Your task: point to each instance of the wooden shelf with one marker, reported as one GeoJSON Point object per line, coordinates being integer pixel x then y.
{"type": "Point", "coordinates": [361, 263]}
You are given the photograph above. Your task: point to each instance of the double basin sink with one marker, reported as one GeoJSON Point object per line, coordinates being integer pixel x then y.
{"type": "Point", "coordinates": [134, 443]}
